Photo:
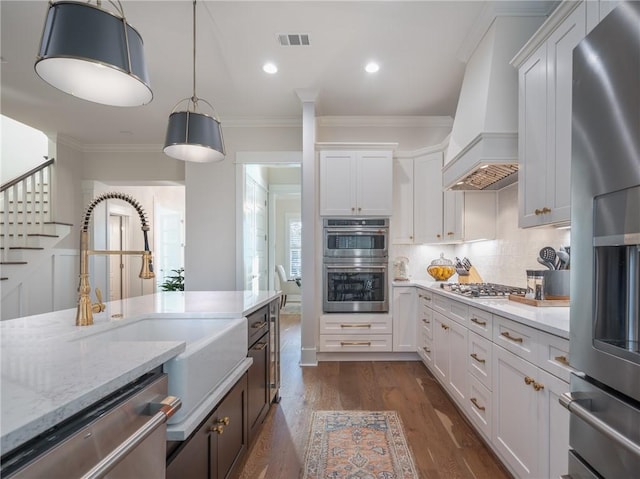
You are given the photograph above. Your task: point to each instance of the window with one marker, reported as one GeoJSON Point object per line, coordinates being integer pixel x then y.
{"type": "Point", "coordinates": [294, 246]}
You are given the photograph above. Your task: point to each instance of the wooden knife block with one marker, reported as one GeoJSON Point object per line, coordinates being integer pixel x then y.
{"type": "Point", "coordinates": [472, 277]}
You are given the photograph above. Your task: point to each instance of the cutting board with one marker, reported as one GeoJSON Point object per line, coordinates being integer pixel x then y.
{"type": "Point", "coordinates": [564, 301]}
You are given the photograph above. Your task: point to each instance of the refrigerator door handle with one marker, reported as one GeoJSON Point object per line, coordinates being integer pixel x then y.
{"type": "Point", "coordinates": [574, 407]}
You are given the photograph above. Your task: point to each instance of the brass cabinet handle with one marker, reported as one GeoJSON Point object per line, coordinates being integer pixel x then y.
{"type": "Point", "coordinates": [538, 212]}
{"type": "Point", "coordinates": [259, 325]}
{"type": "Point", "coordinates": [478, 322]}
{"type": "Point", "coordinates": [259, 347]}
{"type": "Point", "coordinates": [224, 421]}
{"type": "Point", "coordinates": [444, 326]}
{"type": "Point", "coordinates": [426, 321]}
{"type": "Point", "coordinates": [450, 233]}
{"type": "Point", "coordinates": [359, 209]}
{"type": "Point", "coordinates": [427, 350]}
{"type": "Point", "coordinates": [512, 338]}
{"type": "Point", "coordinates": [421, 296]}
{"type": "Point", "coordinates": [410, 237]}
{"type": "Point", "coordinates": [219, 429]}
{"type": "Point", "coordinates": [355, 343]}
{"type": "Point", "coordinates": [437, 236]}
{"type": "Point", "coordinates": [562, 359]}
{"type": "Point", "coordinates": [475, 356]}
{"type": "Point", "coordinates": [474, 401]}
{"type": "Point", "coordinates": [542, 211]}
{"type": "Point", "coordinates": [355, 325]}
{"type": "Point", "coordinates": [538, 386]}
{"type": "Point", "coordinates": [528, 380]}
{"type": "Point", "coordinates": [352, 208]}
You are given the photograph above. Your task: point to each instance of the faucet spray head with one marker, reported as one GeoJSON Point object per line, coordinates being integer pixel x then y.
{"type": "Point", "coordinates": [146, 272]}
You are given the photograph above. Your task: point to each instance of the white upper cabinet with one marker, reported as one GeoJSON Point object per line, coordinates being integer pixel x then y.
{"type": "Point", "coordinates": [417, 206]}
{"type": "Point", "coordinates": [544, 143]}
{"type": "Point", "coordinates": [356, 183]}
{"type": "Point", "coordinates": [469, 216]}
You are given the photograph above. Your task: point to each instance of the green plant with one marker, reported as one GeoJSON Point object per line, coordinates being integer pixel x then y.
{"type": "Point", "coordinates": [175, 282]}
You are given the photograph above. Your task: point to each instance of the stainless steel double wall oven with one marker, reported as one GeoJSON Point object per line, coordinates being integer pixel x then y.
{"type": "Point", "coordinates": [355, 265]}
{"type": "Point", "coordinates": [605, 250]}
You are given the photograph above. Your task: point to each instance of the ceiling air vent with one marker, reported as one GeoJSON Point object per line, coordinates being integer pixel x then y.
{"type": "Point", "coordinates": [293, 39]}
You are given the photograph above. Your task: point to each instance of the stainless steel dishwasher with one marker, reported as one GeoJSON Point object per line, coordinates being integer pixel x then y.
{"type": "Point", "coordinates": [123, 436]}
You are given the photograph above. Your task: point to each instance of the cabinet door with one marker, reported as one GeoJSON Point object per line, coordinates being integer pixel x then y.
{"type": "Point", "coordinates": [338, 183]}
{"type": "Point", "coordinates": [440, 347]}
{"type": "Point", "coordinates": [532, 138]}
{"type": "Point", "coordinates": [452, 216]}
{"type": "Point", "coordinates": [258, 387]}
{"type": "Point", "coordinates": [192, 458]}
{"type": "Point", "coordinates": [516, 414]}
{"type": "Point", "coordinates": [404, 319]}
{"type": "Point", "coordinates": [560, 47]}
{"type": "Point", "coordinates": [374, 179]}
{"type": "Point", "coordinates": [403, 228]}
{"type": "Point", "coordinates": [229, 441]}
{"type": "Point", "coordinates": [457, 381]}
{"type": "Point", "coordinates": [554, 446]}
{"type": "Point", "coordinates": [427, 196]}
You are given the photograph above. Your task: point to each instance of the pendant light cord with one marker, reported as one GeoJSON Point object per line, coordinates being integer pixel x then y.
{"type": "Point", "coordinates": [194, 98]}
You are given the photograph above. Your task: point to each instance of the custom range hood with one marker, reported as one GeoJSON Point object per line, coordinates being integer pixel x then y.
{"type": "Point", "coordinates": [483, 149]}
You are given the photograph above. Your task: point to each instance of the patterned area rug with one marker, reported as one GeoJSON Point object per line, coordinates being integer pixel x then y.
{"type": "Point", "coordinates": [357, 445]}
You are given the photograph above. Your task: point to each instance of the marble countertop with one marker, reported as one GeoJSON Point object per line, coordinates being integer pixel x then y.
{"type": "Point", "coordinates": [553, 320]}
{"type": "Point", "coordinates": [48, 375]}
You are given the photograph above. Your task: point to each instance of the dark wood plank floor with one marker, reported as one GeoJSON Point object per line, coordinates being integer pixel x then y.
{"type": "Point", "coordinates": [443, 444]}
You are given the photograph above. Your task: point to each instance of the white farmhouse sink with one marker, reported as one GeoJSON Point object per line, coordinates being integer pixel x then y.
{"type": "Point", "coordinates": [213, 348]}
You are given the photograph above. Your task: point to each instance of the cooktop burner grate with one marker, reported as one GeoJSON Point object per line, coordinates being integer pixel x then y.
{"type": "Point", "coordinates": [482, 290]}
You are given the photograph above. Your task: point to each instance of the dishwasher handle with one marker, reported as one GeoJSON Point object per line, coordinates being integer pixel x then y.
{"type": "Point", "coordinates": [161, 411]}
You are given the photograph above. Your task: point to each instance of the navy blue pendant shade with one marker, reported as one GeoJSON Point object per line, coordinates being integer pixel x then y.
{"type": "Point", "coordinates": [194, 137]}
{"type": "Point", "coordinates": [93, 54]}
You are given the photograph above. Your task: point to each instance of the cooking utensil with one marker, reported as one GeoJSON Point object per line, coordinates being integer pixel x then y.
{"type": "Point", "coordinates": [564, 259]}
{"type": "Point", "coordinates": [549, 254]}
{"type": "Point", "coordinates": [545, 263]}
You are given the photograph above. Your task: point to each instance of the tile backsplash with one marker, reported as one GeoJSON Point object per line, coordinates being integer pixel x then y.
{"type": "Point", "coordinates": [503, 260]}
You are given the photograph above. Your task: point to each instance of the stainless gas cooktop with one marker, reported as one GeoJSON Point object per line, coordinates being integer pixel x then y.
{"type": "Point", "coordinates": [482, 290]}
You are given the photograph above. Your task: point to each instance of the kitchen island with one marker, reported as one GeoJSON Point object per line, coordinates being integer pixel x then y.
{"type": "Point", "coordinates": [52, 369]}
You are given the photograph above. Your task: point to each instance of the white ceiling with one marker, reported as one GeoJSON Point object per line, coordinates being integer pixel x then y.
{"type": "Point", "coordinates": [417, 43]}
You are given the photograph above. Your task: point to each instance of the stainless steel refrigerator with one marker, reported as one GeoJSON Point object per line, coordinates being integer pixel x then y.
{"type": "Point", "coordinates": [605, 250]}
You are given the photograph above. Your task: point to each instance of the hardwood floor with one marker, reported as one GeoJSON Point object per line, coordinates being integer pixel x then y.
{"type": "Point", "coordinates": [442, 443]}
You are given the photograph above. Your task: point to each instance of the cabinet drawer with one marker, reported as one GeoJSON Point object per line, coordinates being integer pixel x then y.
{"type": "Point", "coordinates": [480, 322]}
{"type": "Point", "coordinates": [425, 321]}
{"type": "Point", "coordinates": [424, 350]}
{"type": "Point", "coordinates": [356, 343]}
{"type": "Point", "coordinates": [425, 298]}
{"type": "Point", "coordinates": [517, 338]}
{"type": "Point", "coordinates": [479, 406]}
{"type": "Point", "coordinates": [452, 309]}
{"type": "Point", "coordinates": [356, 324]}
{"type": "Point", "coordinates": [479, 361]}
{"type": "Point", "coordinates": [554, 356]}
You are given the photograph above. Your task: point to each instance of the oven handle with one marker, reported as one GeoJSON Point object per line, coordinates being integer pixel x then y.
{"type": "Point", "coordinates": [574, 407]}
{"type": "Point", "coordinates": [358, 231]}
{"type": "Point", "coordinates": [357, 268]}
{"type": "Point", "coordinates": [162, 411]}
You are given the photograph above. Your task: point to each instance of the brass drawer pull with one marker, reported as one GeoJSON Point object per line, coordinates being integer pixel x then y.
{"type": "Point", "coordinates": [425, 321]}
{"type": "Point", "coordinates": [259, 347]}
{"type": "Point", "coordinates": [426, 350]}
{"type": "Point", "coordinates": [474, 401]}
{"type": "Point", "coordinates": [478, 322]}
{"type": "Point", "coordinates": [528, 380]}
{"type": "Point", "coordinates": [562, 359]}
{"type": "Point", "coordinates": [355, 325]}
{"type": "Point", "coordinates": [444, 326]}
{"type": "Point", "coordinates": [512, 338]}
{"type": "Point", "coordinates": [259, 325]}
{"type": "Point", "coordinates": [219, 429]}
{"type": "Point", "coordinates": [475, 356]}
{"type": "Point", "coordinates": [538, 386]}
{"type": "Point", "coordinates": [355, 343]}
{"type": "Point", "coordinates": [224, 421]}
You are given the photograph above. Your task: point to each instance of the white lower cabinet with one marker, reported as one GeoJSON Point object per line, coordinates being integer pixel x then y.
{"type": "Point", "coordinates": [404, 319]}
{"type": "Point", "coordinates": [505, 376]}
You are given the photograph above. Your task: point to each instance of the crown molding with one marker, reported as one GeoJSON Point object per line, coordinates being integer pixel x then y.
{"type": "Point", "coordinates": [494, 9]}
{"type": "Point", "coordinates": [437, 148]}
{"type": "Point", "coordinates": [386, 121]}
{"type": "Point", "coordinates": [355, 145]}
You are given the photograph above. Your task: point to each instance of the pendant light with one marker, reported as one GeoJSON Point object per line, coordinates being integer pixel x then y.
{"type": "Point", "coordinates": [191, 134]}
{"type": "Point", "coordinates": [93, 54]}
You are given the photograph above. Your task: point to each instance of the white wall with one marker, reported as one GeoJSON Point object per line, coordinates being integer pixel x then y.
{"type": "Point", "coordinates": [22, 148]}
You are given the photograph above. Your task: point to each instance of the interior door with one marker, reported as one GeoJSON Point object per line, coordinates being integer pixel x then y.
{"type": "Point", "coordinates": [255, 236]}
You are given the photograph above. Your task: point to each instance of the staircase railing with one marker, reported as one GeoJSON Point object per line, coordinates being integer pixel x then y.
{"type": "Point", "coordinates": [26, 206]}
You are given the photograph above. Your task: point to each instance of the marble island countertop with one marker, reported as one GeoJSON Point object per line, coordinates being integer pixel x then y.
{"type": "Point", "coordinates": [554, 320]}
{"type": "Point", "coordinates": [49, 372]}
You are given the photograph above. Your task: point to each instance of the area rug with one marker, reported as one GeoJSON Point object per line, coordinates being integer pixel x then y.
{"type": "Point", "coordinates": [357, 445]}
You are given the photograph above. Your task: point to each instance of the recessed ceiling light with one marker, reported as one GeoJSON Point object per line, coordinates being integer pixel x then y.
{"type": "Point", "coordinates": [372, 67]}
{"type": "Point", "coordinates": [270, 68]}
